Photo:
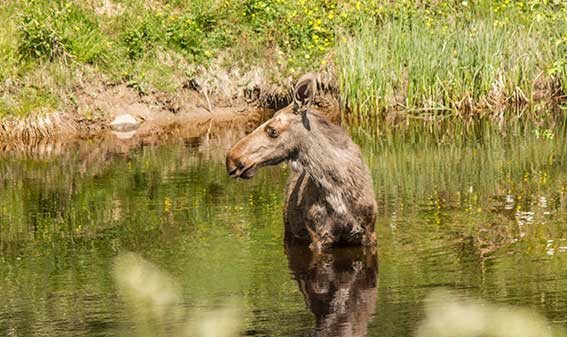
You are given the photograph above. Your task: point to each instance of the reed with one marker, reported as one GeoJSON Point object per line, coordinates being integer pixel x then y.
{"type": "Point", "coordinates": [446, 68]}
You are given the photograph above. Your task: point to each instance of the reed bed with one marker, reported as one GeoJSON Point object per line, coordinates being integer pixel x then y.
{"type": "Point", "coordinates": [446, 68]}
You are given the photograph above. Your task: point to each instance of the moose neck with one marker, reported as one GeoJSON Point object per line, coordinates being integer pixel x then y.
{"type": "Point", "coordinates": [327, 155]}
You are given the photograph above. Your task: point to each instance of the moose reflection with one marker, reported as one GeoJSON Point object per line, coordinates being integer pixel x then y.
{"type": "Point", "coordinates": [329, 197]}
{"type": "Point", "coordinates": [339, 287]}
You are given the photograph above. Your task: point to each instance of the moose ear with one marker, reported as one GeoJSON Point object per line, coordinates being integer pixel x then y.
{"type": "Point", "coordinates": [304, 92]}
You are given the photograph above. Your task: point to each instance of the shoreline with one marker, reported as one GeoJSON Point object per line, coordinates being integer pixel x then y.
{"type": "Point", "coordinates": [185, 116]}
{"type": "Point", "coordinates": [159, 118]}
{"type": "Point", "coordinates": [191, 113]}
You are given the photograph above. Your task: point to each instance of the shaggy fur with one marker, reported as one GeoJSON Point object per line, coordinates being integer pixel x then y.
{"type": "Point", "coordinates": [329, 198]}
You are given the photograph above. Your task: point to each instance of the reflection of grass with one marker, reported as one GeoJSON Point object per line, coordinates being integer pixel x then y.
{"type": "Point", "coordinates": [90, 195]}
{"type": "Point", "coordinates": [472, 217]}
{"type": "Point", "coordinates": [68, 217]}
{"type": "Point", "coordinates": [497, 166]}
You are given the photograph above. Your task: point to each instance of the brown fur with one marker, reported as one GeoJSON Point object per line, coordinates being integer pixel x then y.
{"type": "Point", "coordinates": [329, 198]}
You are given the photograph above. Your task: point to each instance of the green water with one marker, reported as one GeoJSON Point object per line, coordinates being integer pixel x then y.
{"type": "Point", "coordinates": [488, 221]}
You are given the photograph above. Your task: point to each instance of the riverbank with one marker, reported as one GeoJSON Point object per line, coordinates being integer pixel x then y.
{"type": "Point", "coordinates": [156, 116]}
{"type": "Point", "coordinates": [436, 68]}
{"type": "Point", "coordinates": [187, 115]}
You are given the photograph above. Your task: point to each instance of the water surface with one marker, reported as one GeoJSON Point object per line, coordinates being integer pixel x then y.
{"type": "Point", "coordinates": [485, 220]}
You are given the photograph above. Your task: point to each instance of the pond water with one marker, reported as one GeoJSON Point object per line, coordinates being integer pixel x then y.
{"type": "Point", "coordinates": [159, 241]}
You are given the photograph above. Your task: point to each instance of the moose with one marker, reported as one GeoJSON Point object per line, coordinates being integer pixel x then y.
{"type": "Point", "coordinates": [329, 196]}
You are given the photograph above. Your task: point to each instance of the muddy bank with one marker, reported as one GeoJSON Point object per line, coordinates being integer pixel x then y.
{"type": "Point", "coordinates": [156, 116]}
{"type": "Point", "coordinates": [187, 115]}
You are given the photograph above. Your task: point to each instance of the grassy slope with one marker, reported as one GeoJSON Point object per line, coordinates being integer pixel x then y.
{"type": "Point", "coordinates": [448, 58]}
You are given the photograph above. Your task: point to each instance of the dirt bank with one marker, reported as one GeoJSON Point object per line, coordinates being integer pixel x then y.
{"type": "Point", "coordinates": [185, 115]}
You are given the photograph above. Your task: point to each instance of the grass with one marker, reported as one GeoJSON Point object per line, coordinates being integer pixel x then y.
{"type": "Point", "coordinates": [158, 45]}
{"type": "Point", "coordinates": [453, 65]}
{"type": "Point", "coordinates": [433, 63]}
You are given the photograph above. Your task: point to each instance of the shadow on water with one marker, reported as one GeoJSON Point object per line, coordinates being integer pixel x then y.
{"type": "Point", "coordinates": [338, 286]}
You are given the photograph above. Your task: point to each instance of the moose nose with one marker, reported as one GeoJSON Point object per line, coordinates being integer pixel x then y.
{"type": "Point", "coordinates": [233, 165]}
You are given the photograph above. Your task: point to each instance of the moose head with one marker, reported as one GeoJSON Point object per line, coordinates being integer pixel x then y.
{"type": "Point", "coordinates": [278, 139]}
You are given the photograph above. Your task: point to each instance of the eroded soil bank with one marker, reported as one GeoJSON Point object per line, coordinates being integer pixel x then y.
{"type": "Point", "coordinates": [183, 116]}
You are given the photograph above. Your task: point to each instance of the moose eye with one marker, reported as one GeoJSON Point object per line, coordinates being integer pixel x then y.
{"type": "Point", "coordinates": [272, 132]}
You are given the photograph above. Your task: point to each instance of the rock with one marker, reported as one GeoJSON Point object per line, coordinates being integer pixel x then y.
{"type": "Point", "coordinates": [124, 123]}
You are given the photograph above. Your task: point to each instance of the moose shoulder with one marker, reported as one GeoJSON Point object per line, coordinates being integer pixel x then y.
{"type": "Point", "coordinates": [329, 197]}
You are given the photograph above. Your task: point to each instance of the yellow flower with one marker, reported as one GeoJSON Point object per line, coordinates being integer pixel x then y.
{"type": "Point", "coordinates": [331, 15]}
{"type": "Point", "coordinates": [167, 204]}
{"type": "Point", "coordinates": [76, 28]}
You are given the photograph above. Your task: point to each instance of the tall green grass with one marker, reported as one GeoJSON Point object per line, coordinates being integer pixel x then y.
{"type": "Point", "coordinates": [443, 66]}
{"type": "Point", "coordinates": [153, 44]}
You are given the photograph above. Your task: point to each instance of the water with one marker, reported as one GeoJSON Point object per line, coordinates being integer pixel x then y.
{"type": "Point", "coordinates": [487, 221]}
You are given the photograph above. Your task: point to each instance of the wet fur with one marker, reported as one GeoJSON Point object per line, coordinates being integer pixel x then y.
{"type": "Point", "coordinates": [329, 196]}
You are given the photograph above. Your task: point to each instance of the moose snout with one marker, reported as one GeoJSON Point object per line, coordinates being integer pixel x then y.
{"type": "Point", "coordinates": [233, 165]}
